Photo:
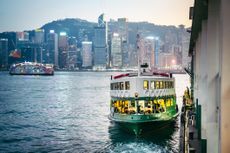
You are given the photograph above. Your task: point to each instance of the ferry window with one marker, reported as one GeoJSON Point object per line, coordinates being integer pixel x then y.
{"type": "Point", "coordinates": [152, 85]}
{"type": "Point", "coordinates": [116, 86]}
{"type": "Point", "coordinates": [111, 86]}
{"type": "Point", "coordinates": [132, 104]}
{"type": "Point", "coordinates": [127, 85]}
{"type": "Point", "coordinates": [146, 84]}
{"type": "Point", "coordinates": [172, 84]}
{"type": "Point", "coordinates": [157, 85]}
{"type": "Point", "coordinates": [121, 86]}
{"type": "Point", "coordinates": [168, 103]}
{"type": "Point", "coordinates": [166, 84]}
{"type": "Point", "coordinates": [161, 84]}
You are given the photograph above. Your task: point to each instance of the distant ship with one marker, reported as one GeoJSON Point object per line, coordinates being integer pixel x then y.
{"type": "Point", "coordinates": [31, 68]}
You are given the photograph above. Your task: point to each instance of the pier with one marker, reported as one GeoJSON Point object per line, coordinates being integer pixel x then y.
{"type": "Point", "coordinates": [206, 126]}
{"type": "Point", "coordinates": [190, 139]}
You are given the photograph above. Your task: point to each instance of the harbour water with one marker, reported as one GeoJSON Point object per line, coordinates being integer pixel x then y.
{"type": "Point", "coordinates": [68, 112]}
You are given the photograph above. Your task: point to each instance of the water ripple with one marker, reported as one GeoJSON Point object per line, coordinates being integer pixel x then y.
{"type": "Point", "coordinates": [68, 112]}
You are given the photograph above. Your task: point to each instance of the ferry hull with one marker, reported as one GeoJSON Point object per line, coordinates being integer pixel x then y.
{"type": "Point", "coordinates": [47, 74]}
{"type": "Point", "coordinates": [144, 127]}
{"type": "Point", "coordinates": [31, 68]}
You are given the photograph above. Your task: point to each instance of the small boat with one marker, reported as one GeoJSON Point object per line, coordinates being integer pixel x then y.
{"type": "Point", "coordinates": [143, 101]}
{"type": "Point", "coordinates": [31, 68]}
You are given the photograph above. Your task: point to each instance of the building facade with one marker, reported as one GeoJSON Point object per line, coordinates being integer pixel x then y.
{"type": "Point", "coordinates": [72, 54]}
{"type": "Point", "coordinates": [209, 49]}
{"type": "Point", "coordinates": [62, 50]}
{"type": "Point", "coordinates": [116, 53]}
{"type": "Point", "coordinates": [123, 32]}
{"type": "Point", "coordinates": [51, 51]}
{"type": "Point", "coordinates": [87, 57]}
{"type": "Point", "coordinates": [39, 36]}
{"type": "Point", "coordinates": [4, 53]}
{"type": "Point", "coordinates": [100, 44]}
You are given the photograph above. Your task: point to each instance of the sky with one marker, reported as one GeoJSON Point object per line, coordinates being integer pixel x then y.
{"type": "Point", "coordinates": [19, 15]}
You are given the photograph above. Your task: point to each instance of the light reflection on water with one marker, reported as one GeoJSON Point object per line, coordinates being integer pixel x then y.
{"type": "Point", "coordinates": [68, 112]}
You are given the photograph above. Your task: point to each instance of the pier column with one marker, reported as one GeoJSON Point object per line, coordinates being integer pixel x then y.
{"type": "Point", "coordinates": [197, 68]}
{"type": "Point", "coordinates": [203, 98]}
{"type": "Point", "coordinates": [213, 69]}
{"type": "Point", "coordinates": [225, 77]}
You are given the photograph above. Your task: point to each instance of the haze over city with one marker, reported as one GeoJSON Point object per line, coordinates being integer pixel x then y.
{"type": "Point", "coordinates": [27, 15]}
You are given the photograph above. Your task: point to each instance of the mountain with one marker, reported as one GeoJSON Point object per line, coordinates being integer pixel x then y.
{"type": "Point", "coordinates": [81, 29]}
{"type": "Point", "coordinates": [73, 27]}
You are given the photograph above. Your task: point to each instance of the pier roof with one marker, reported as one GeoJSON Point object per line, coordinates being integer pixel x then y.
{"type": "Point", "coordinates": [199, 13]}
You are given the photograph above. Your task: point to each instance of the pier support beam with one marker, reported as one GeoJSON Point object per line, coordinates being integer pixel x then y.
{"type": "Point", "coordinates": [225, 77]}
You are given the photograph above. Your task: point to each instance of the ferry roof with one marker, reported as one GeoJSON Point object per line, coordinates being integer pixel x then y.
{"type": "Point", "coordinates": [33, 63]}
{"type": "Point", "coordinates": [143, 76]}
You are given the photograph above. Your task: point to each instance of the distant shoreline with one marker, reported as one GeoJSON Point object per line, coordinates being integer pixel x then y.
{"type": "Point", "coordinates": [86, 70]}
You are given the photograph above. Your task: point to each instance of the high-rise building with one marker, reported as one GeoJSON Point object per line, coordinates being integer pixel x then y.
{"type": "Point", "coordinates": [123, 28]}
{"type": "Point", "coordinates": [12, 44]}
{"type": "Point", "coordinates": [116, 54]}
{"type": "Point", "coordinates": [149, 46]}
{"type": "Point", "coordinates": [140, 50]}
{"type": "Point", "coordinates": [51, 51]}
{"type": "Point", "coordinates": [178, 54]}
{"type": "Point", "coordinates": [62, 50]}
{"type": "Point", "coordinates": [156, 51]}
{"type": "Point", "coordinates": [39, 36]}
{"type": "Point", "coordinates": [101, 20]}
{"type": "Point", "coordinates": [167, 60]}
{"type": "Point", "coordinates": [4, 53]}
{"type": "Point", "coordinates": [30, 52]}
{"type": "Point", "coordinates": [72, 53]}
{"type": "Point", "coordinates": [100, 44]}
{"type": "Point", "coordinates": [123, 32]}
{"type": "Point", "coordinates": [87, 54]}
{"type": "Point", "coordinates": [22, 36]}
{"type": "Point", "coordinates": [133, 56]}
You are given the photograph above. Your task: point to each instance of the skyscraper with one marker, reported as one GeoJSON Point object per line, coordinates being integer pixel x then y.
{"type": "Point", "coordinates": [156, 51]}
{"type": "Point", "coordinates": [51, 55]}
{"type": "Point", "coordinates": [39, 36]}
{"type": "Point", "coordinates": [116, 54]}
{"type": "Point", "coordinates": [12, 44]}
{"type": "Point", "coordinates": [123, 28]}
{"type": "Point", "coordinates": [4, 53]}
{"type": "Point", "coordinates": [72, 53]}
{"type": "Point", "coordinates": [100, 43]}
{"type": "Point", "coordinates": [101, 20]}
{"type": "Point", "coordinates": [123, 32]}
{"type": "Point", "coordinates": [87, 54]}
{"type": "Point", "coordinates": [149, 46]}
{"type": "Point", "coordinates": [22, 36]}
{"type": "Point", "coordinates": [62, 49]}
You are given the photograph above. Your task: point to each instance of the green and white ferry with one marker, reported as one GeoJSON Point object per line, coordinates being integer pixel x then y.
{"type": "Point", "coordinates": [143, 101]}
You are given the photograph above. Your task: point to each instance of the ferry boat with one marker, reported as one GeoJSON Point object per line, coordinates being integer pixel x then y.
{"type": "Point", "coordinates": [143, 101]}
{"type": "Point", "coordinates": [31, 68]}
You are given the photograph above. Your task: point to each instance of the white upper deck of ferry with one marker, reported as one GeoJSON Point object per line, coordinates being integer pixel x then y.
{"type": "Point", "coordinates": [32, 64]}
{"type": "Point", "coordinates": [146, 85]}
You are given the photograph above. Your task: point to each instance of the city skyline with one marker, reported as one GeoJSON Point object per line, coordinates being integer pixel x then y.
{"type": "Point", "coordinates": [28, 15]}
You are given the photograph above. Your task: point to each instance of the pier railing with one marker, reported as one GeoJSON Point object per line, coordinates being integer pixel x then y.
{"type": "Point", "coordinates": [190, 135]}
